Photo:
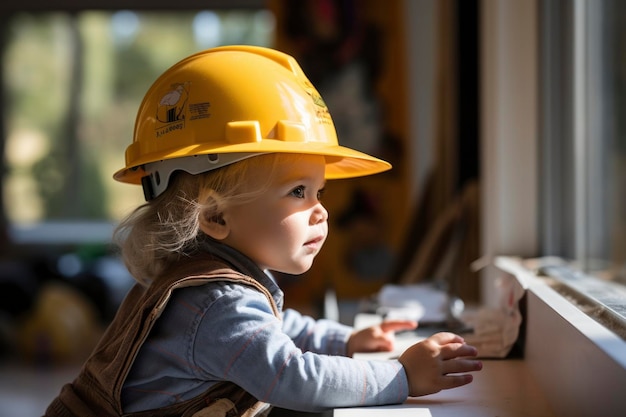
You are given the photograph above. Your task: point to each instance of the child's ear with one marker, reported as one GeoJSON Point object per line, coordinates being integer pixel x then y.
{"type": "Point", "coordinates": [213, 225]}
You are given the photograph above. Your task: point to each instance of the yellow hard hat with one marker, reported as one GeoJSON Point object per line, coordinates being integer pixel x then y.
{"type": "Point", "coordinates": [228, 103]}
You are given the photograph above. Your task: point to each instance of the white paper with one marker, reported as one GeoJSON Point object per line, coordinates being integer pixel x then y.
{"type": "Point", "coordinates": [383, 411]}
{"type": "Point", "coordinates": [420, 302]}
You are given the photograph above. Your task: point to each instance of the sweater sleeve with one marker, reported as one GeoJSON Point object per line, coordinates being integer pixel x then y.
{"type": "Point", "coordinates": [240, 340]}
{"type": "Point", "coordinates": [319, 336]}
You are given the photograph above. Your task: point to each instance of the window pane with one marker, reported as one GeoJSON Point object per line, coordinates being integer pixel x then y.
{"type": "Point", "coordinates": [74, 83]}
{"type": "Point", "coordinates": [608, 170]}
{"type": "Point", "coordinates": [584, 135]}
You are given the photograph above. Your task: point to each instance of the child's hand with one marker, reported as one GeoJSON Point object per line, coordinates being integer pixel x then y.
{"type": "Point", "coordinates": [435, 364]}
{"type": "Point", "coordinates": [378, 338]}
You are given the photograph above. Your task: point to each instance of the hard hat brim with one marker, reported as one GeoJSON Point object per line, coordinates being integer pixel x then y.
{"type": "Point", "coordinates": [341, 162]}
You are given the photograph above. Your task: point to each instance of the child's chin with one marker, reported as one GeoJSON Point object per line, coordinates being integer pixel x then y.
{"type": "Point", "coordinates": [296, 270]}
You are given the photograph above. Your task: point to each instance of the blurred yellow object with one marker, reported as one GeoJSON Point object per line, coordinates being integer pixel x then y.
{"type": "Point", "coordinates": [62, 326]}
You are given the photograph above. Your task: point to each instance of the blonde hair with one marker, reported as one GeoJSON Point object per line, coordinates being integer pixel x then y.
{"type": "Point", "coordinates": [160, 232]}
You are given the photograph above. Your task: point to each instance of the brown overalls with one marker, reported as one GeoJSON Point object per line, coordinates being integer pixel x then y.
{"type": "Point", "coordinates": [96, 392]}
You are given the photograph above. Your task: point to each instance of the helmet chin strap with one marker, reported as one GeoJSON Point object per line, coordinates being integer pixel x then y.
{"type": "Point", "coordinates": [158, 173]}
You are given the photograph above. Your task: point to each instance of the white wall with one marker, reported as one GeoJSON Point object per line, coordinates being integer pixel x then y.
{"type": "Point", "coordinates": [509, 123]}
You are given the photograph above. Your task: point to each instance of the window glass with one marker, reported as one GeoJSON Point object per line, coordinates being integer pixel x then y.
{"type": "Point", "coordinates": [612, 176]}
{"type": "Point", "coordinates": [584, 135]}
{"type": "Point", "coordinates": [73, 84]}
{"type": "Point", "coordinates": [605, 140]}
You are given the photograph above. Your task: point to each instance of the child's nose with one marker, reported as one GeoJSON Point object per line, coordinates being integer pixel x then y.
{"type": "Point", "coordinates": [320, 214]}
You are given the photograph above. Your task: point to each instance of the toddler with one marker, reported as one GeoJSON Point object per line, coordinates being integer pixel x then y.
{"type": "Point", "coordinates": [233, 147]}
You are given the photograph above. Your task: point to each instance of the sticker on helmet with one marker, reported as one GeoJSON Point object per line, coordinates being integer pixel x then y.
{"type": "Point", "coordinates": [321, 113]}
{"type": "Point", "coordinates": [199, 110]}
{"type": "Point", "coordinates": [171, 109]}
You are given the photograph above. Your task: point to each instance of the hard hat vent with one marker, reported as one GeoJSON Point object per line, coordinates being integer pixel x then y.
{"type": "Point", "coordinates": [289, 131]}
{"type": "Point", "coordinates": [247, 131]}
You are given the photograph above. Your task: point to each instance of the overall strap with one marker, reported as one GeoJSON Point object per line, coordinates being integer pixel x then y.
{"type": "Point", "coordinates": [97, 389]}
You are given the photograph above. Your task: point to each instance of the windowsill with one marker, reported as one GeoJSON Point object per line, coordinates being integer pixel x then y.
{"type": "Point", "coordinates": [579, 364]}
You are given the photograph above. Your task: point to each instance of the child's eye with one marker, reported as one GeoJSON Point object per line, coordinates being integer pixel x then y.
{"type": "Point", "coordinates": [298, 191]}
{"type": "Point", "coordinates": [320, 194]}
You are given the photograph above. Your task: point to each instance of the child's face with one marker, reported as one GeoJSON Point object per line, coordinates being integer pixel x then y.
{"type": "Point", "coordinates": [285, 228]}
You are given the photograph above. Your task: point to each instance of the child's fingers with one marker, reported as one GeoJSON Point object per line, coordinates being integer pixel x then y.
{"type": "Point", "coordinates": [447, 337]}
{"type": "Point", "coordinates": [454, 381]}
{"type": "Point", "coordinates": [460, 366]}
{"type": "Point", "coordinates": [444, 338]}
{"type": "Point", "coordinates": [397, 325]}
{"type": "Point", "coordinates": [457, 350]}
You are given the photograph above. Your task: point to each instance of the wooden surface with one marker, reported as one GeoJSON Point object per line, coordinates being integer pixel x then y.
{"type": "Point", "coordinates": [504, 388]}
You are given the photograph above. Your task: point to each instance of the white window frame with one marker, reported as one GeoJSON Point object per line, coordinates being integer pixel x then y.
{"type": "Point", "coordinates": [510, 127]}
{"type": "Point", "coordinates": [580, 365]}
